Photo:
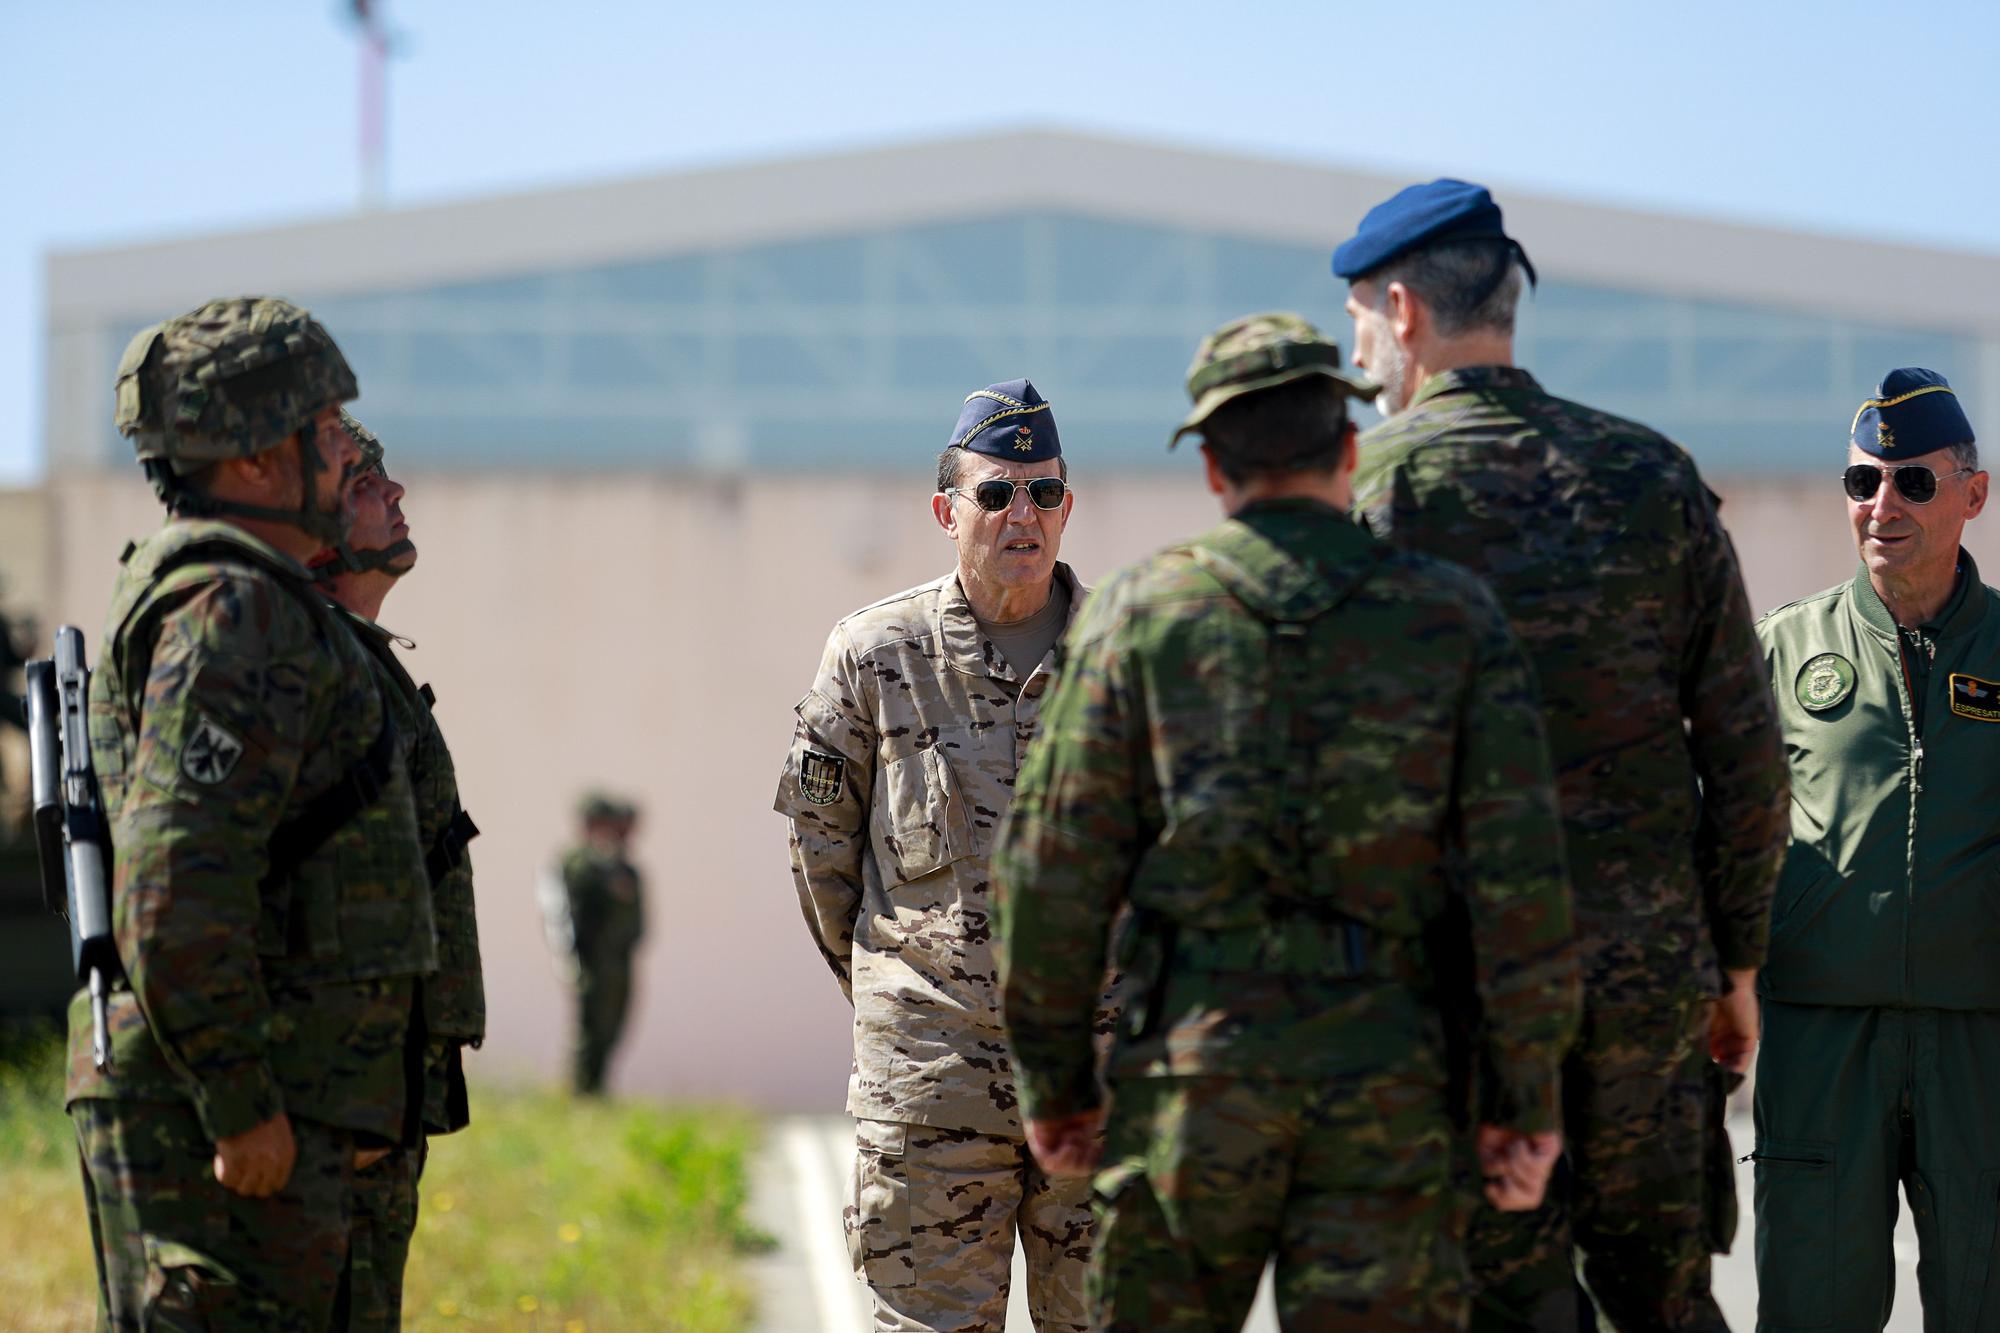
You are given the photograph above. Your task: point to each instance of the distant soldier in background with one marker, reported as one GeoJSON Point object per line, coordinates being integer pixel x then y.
{"type": "Point", "coordinates": [268, 891]}
{"type": "Point", "coordinates": [1299, 756]}
{"type": "Point", "coordinates": [1604, 548]}
{"type": "Point", "coordinates": [359, 575]}
{"type": "Point", "coordinates": [902, 763]}
{"type": "Point", "coordinates": [604, 902]}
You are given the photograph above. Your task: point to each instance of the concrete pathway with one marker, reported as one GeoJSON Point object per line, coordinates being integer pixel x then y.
{"type": "Point", "coordinates": [799, 1183]}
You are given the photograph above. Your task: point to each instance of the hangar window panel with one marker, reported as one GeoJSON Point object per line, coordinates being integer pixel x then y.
{"type": "Point", "coordinates": [984, 263]}
{"type": "Point", "coordinates": [488, 360]}
{"type": "Point", "coordinates": [645, 282]}
{"type": "Point", "coordinates": [637, 360]}
{"type": "Point", "coordinates": [803, 362]}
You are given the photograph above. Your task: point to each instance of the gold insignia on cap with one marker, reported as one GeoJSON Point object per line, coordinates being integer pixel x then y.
{"type": "Point", "coordinates": [1884, 436]}
{"type": "Point", "coordinates": [1024, 439]}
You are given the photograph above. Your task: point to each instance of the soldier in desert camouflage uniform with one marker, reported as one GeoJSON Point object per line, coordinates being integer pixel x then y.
{"type": "Point", "coordinates": [1301, 758]}
{"type": "Point", "coordinates": [903, 764]}
{"type": "Point", "coordinates": [268, 891]}
{"type": "Point", "coordinates": [1603, 545]}
{"type": "Point", "coordinates": [358, 575]}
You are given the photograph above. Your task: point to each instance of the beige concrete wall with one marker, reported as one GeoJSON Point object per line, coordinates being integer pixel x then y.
{"type": "Point", "coordinates": [650, 634]}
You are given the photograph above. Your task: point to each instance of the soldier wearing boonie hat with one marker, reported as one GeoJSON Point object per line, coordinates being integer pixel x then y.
{"type": "Point", "coordinates": [1604, 546]}
{"type": "Point", "coordinates": [1881, 1000]}
{"type": "Point", "coordinates": [597, 903]}
{"type": "Point", "coordinates": [357, 576]}
{"type": "Point", "coordinates": [902, 763]}
{"type": "Point", "coordinates": [251, 772]}
{"type": "Point", "coordinates": [1271, 744]}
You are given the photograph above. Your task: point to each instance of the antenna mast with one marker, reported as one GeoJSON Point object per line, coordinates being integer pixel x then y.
{"type": "Point", "coordinates": [373, 101]}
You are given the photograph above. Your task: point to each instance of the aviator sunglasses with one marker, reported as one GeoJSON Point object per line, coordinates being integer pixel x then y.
{"type": "Point", "coordinates": [1914, 482]}
{"type": "Point", "coordinates": [997, 493]}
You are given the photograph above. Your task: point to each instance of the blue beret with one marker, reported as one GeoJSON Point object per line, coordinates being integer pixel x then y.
{"type": "Point", "coordinates": [1008, 420]}
{"type": "Point", "coordinates": [1444, 210]}
{"type": "Point", "coordinates": [1914, 413]}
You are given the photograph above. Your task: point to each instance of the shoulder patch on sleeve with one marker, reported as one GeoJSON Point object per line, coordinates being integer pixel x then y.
{"type": "Point", "coordinates": [821, 776]}
{"type": "Point", "coordinates": [211, 753]}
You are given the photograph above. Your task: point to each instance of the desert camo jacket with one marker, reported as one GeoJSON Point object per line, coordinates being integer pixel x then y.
{"type": "Point", "coordinates": [901, 768]}
{"type": "Point", "coordinates": [454, 998]}
{"type": "Point", "coordinates": [1602, 543]}
{"type": "Point", "coordinates": [1297, 754]}
{"type": "Point", "coordinates": [225, 697]}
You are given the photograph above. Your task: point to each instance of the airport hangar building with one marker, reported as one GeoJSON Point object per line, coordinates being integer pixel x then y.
{"type": "Point", "coordinates": [660, 434]}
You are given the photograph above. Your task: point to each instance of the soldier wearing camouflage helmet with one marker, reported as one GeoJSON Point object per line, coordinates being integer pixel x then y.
{"type": "Point", "coordinates": [1302, 759]}
{"type": "Point", "coordinates": [268, 891]}
{"type": "Point", "coordinates": [1604, 546]}
{"type": "Point", "coordinates": [358, 576]}
{"type": "Point", "coordinates": [903, 759]}
{"type": "Point", "coordinates": [604, 901]}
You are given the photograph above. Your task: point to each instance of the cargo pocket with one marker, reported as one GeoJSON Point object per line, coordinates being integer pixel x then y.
{"type": "Point", "coordinates": [300, 918]}
{"type": "Point", "coordinates": [1796, 1227]}
{"type": "Point", "coordinates": [930, 828]}
{"type": "Point", "coordinates": [186, 1290]}
{"type": "Point", "coordinates": [878, 1219]}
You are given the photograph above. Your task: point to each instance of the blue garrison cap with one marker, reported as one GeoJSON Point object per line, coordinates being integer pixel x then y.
{"type": "Point", "coordinates": [1914, 413]}
{"type": "Point", "coordinates": [1008, 420]}
{"type": "Point", "coordinates": [1419, 215]}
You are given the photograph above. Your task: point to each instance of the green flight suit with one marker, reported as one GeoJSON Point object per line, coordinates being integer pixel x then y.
{"type": "Point", "coordinates": [1881, 993]}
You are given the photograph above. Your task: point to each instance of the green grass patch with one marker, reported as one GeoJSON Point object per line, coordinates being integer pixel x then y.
{"type": "Point", "coordinates": [547, 1215]}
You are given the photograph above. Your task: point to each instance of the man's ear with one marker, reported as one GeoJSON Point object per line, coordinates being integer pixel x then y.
{"type": "Point", "coordinates": [946, 514]}
{"type": "Point", "coordinates": [1975, 494]}
{"type": "Point", "coordinates": [1405, 313]}
{"type": "Point", "coordinates": [1212, 470]}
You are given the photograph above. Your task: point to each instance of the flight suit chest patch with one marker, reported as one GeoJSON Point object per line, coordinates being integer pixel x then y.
{"type": "Point", "coordinates": [1975, 698]}
{"type": "Point", "coordinates": [1825, 680]}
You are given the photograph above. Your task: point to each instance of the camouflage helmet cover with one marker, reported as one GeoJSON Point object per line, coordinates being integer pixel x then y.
{"type": "Point", "coordinates": [1261, 352]}
{"type": "Point", "coordinates": [367, 441]}
{"type": "Point", "coordinates": [602, 805]}
{"type": "Point", "coordinates": [228, 380]}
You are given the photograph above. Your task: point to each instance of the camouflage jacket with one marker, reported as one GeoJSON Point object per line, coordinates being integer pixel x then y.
{"type": "Point", "coordinates": [1299, 755]}
{"type": "Point", "coordinates": [1602, 543]}
{"type": "Point", "coordinates": [607, 907]}
{"type": "Point", "coordinates": [226, 697]}
{"type": "Point", "coordinates": [901, 769]}
{"type": "Point", "coordinates": [454, 999]}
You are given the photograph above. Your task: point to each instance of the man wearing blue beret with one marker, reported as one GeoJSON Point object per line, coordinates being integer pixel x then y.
{"type": "Point", "coordinates": [1604, 547]}
{"type": "Point", "coordinates": [902, 765]}
{"type": "Point", "coordinates": [1881, 996]}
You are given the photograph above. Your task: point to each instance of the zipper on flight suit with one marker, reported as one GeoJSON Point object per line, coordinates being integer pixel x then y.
{"type": "Point", "coordinates": [1916, 771]}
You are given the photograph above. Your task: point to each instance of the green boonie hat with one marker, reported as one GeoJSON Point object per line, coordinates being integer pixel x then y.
{"type": "Point", "coordinates": [366, 441]}
{"type": "Point", "coordinates": [603, 805]}
{"type": "Point", "coordinates": [1261, 352]}
{"type": "Point", "coordinates": [228, 380]}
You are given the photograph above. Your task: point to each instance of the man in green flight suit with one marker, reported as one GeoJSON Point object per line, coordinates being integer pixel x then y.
{"type": "Point", "coordinates": [1881, 996]}
{"type": "Point", "coordinates": [1303, 759]}
{"type": "Point", "coordinates": [607, 917]}
{"type": "Point", "coordinates": [1603, 545]}
{"type": "Point", "coordinates": [268, 892]}
{"type": "Point", "coordinates": [358, 576]}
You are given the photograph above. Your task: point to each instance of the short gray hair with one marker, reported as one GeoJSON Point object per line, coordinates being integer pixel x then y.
{"type": "Point", "coordinates": [1965, 455]}
{"type": "Point", "coordinates": [1471, 284]}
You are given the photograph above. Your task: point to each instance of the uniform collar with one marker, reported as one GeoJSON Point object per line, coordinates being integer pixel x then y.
{"type": "Point", "coordinates": [970, 651]}
{"type": "Point", "coordinates": [1960, 614]}
{"type": "Point", "coordinates": [1476, 379]}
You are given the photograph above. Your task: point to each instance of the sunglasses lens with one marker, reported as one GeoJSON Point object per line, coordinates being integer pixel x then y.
{"type": "Point", "coordinates": [993, 496]}
{"type": "Point", "coordinates": [1861, 481]}
{"type": "Point", "coordinates": [1046, 492]}
{"type": "Point", "coordinates": [1918, 484]}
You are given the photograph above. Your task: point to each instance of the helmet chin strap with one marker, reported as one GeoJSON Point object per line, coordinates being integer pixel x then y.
{"type": "Point", "coordinates": [349, 560]}
{"type": "Point", "coordinates": [329, 529]}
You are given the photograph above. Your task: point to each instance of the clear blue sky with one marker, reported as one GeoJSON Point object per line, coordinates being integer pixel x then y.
{"type": "Point", "coordinates": [126, 120]}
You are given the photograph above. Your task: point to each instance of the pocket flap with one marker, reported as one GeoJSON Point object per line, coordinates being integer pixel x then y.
{"type": "Point", "coordinates": [887, 1137]}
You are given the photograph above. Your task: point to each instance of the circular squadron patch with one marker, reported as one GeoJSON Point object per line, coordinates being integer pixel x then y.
{"type": "Point", "coordinates": [1824, 681]}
